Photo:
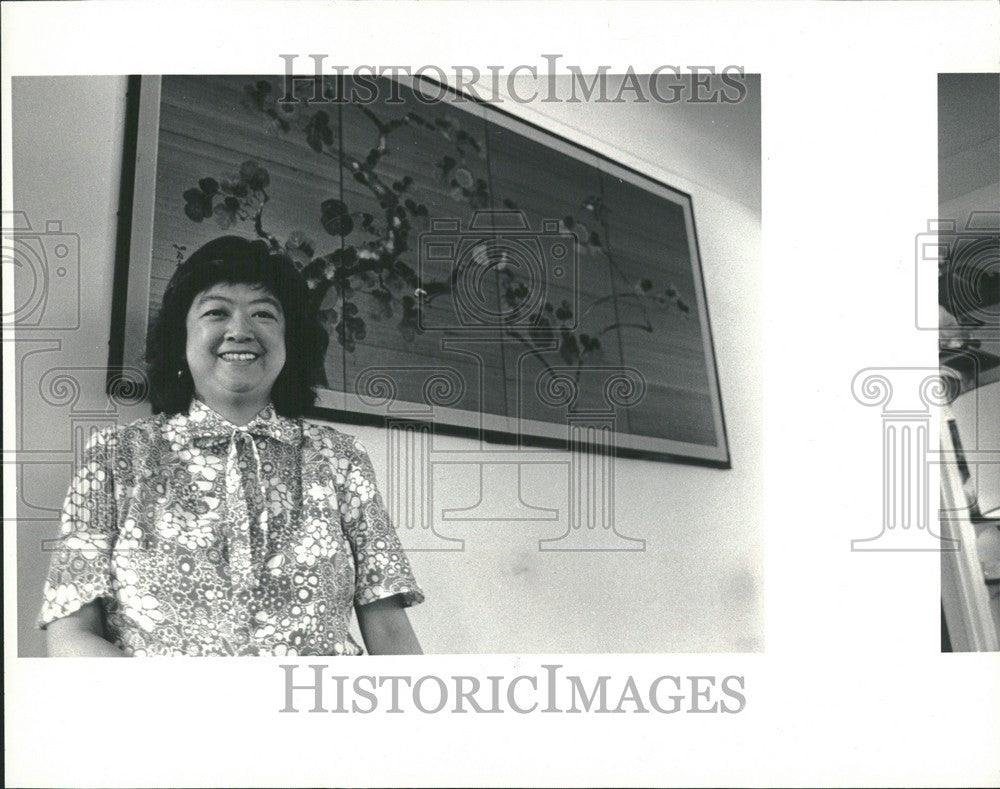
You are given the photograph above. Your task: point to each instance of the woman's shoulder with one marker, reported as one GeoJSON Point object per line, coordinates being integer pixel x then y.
{"type": "Point", "coordinates": [122, 449]}
{"type": "Point", "coordinates": [141, 431]}
{"type": "Point", "coordinates": [323, 436]}
{"type": "Point", "coordinates": [147, 426]}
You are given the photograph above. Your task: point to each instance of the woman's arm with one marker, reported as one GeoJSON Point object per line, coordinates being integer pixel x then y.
{"type": "Point", "coordinates": [386, 628]}
{"type": "Point", "coordinates": [81, 634]}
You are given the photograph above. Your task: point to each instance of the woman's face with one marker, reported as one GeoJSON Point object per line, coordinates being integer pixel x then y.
{"type": "Point", "coordinates": [235, 346]}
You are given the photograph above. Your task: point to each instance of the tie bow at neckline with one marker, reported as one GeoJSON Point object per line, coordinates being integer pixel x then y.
{"type": "Point", "coordinates": [207, 429]}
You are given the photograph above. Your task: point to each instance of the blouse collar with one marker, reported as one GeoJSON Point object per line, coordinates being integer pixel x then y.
{"type": "Point", "coordinates": [203, 422]}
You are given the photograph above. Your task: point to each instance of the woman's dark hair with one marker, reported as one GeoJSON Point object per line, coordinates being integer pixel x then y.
{"type": "Point", "coordinates": [235, 260]}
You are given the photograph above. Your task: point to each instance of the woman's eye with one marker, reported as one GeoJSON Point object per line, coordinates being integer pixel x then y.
{"type": "Point", "coordinates": [214, 313]}
{"type": "Point", "coordinates": [266, 314]}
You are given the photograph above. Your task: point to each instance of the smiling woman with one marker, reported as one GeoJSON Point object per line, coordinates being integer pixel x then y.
{"type": "Point", "coordinates": [225, 524]}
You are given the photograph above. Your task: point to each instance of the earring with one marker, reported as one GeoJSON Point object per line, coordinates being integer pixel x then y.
{"type": "Point", "coordinates": [180, 373]}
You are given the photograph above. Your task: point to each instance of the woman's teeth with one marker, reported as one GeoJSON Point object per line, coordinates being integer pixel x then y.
{"type": "Point", "coordinates": [239, 357]}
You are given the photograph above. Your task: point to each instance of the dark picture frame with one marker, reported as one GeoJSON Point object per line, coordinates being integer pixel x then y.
{"type": "Point", "coordinates": [475, 271]}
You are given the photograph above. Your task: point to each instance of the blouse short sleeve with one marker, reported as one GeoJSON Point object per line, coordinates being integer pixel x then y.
{"type": "Point", "coordinates": [381, 566]}
{"type": "Point", "coordinates": [80, 567]}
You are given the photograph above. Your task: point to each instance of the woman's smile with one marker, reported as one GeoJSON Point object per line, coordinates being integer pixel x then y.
{"type": "Point", "coordinates": [238, 357]}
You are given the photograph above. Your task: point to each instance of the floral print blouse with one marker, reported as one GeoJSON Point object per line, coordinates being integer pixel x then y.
{"type": "Point", "coordinates": [202, 538]}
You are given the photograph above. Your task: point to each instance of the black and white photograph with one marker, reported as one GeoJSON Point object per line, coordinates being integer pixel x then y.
{"type": "Point", "coordinates": [514, 394]}
{"type": "Point", "coordinates": [967, 239]}
{"type": "Point", "coordinates": [506, 334]}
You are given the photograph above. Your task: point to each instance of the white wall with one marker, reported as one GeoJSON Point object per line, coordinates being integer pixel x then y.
{"type": "Point", "coordinates": [698, 584]}
{"type": "Point", "coordinates": [968, 141]}
{"type": "Point", "coordinates": [67, 136]}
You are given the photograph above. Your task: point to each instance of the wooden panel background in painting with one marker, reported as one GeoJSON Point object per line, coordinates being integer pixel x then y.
{"type": "Point", "coordinates": [206, 131]}
{"type": "Point", "coordinates": [614, 276]}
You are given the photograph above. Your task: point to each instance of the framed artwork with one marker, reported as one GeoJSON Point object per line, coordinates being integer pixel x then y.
{"type": "Point", "coordinates": [473, 270]}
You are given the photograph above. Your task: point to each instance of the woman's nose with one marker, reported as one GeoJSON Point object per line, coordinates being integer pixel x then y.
{"type": "Point", "coordinates": [239, 327]}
